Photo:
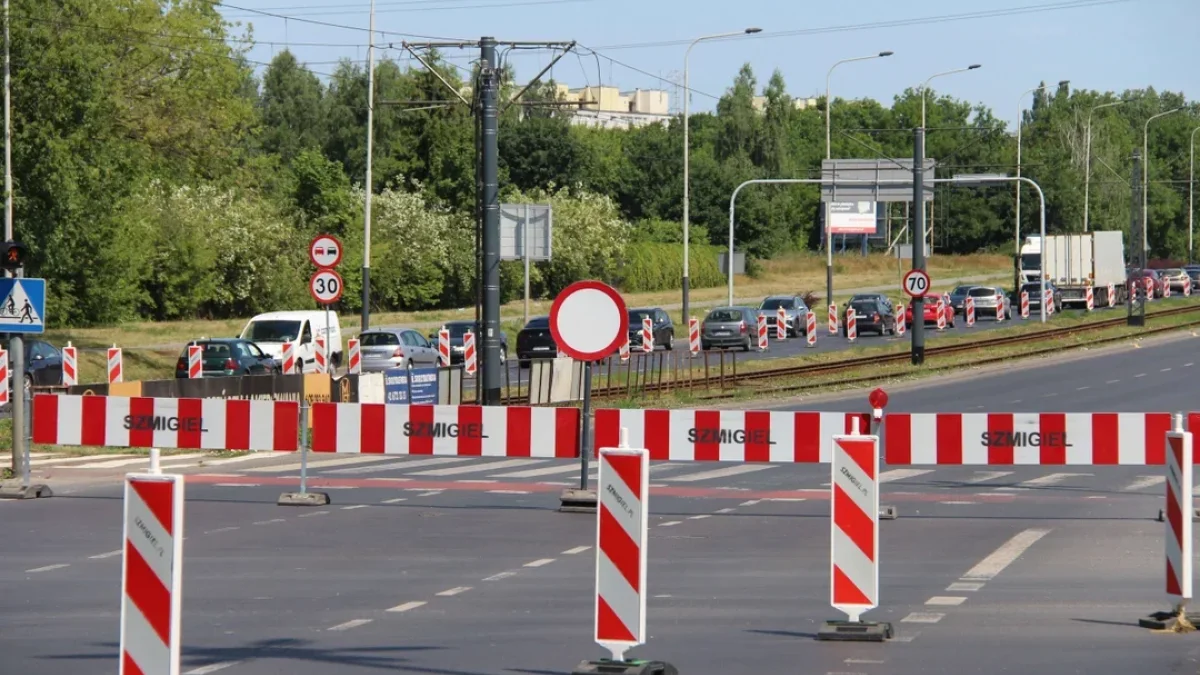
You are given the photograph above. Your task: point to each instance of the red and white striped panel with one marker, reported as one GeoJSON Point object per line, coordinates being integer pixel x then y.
{"type": "Point", "coordinates": [467, 430]}
{"type": "Point", "coordinates": [810, 328]}
{"type": "Point", "coordinates": [762, 332]}
{"type": "Point", "coordinates": [833, 319]}
{"type": "Point", "coordinates": [321, 355]}
{"type": "Point", "coordinates": [854, 551]}
{"type": "Point", "coordinates": [1090, 299]}
{"type": "Point", "coordinates": [851, 324]}
{"type": "Point", "coordinates": [969, 310]}
{"type": "Point", "coordinates": [1178, 516]}
{"type": "Point", "coordinates": [469, 361]}
{"type": "Point", "coordinates": [289, 357]}
{"type": "Point", "coordinates": [444, 347]}
{"type": "Point", "coordinates": [4, 375]}
{"type": "Point", "coordinates": [727, 435]}
{"type": "Point", "coordinates": [693, 336]}
{"type": "Point", "coordinates": [622, 517]}
{"type": "Point", "coordinates": [1026, 438]}
{"type": "Point", "coordinates": [624, 350]}
{"type": "Point", "coordinates": [1112, 295]}
{"type": "Point", "coordinates": [115, 372]}
{"type": "Point", "coordinates": [354, 361]}
{"type": "Point", "coordinates": [1024, 304]}
{"type": "Point", "coordinates": [195, 361]}
{"type": "Point", "coordinates": [900, 327]}
{"type": "Point", "coordinates": [647, 334]}
{"type": "Point", "coordinates": [194, 423]}
{"type": "Point", "coordinates": [781, 324]}
{"type": "Point", "coordinates": [70, 366]}
{"type": "Point", "coordinates": [151, 575]}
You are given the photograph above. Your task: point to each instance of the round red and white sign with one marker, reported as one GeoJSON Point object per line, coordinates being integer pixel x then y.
{"type": "Point", "coordinates": [916, 283]}
{"type": "Point", "coordinates": [326, 286]}
{"type": "Point", "coordinates": [589, 321]}
{"type": "Point", "coordinates": [325, 251]}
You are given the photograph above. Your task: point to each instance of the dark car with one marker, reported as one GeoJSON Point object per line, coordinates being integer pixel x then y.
{"type": "Point", "coordinates": [535, 341]}
{"type": "Point", "coordinates": [883, 300]}
{"type": "Point", "coordinates": [458, 329]}
{"type": "Point", "coordinates": [794, 310]}
{"type": "Point", "coordinates": [870, 316]}
{"type": "Point", "coordinates": [663, 328]}
{"type": "Point", "coordinates": [228, 357]}
{"type": "Point", "coordinates": [43, 365]}
{"type": "Point", "coordinates": [729, 327]}
{"type": "Point", "coordinates": [1035, 296]}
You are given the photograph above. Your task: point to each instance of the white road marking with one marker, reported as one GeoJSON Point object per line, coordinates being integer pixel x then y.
{"type": "Point", "coordinates": [723, 472]}
{"type": "Point", "coordinates": [946, 600]}
{"type": "Point", "coordinates": [1004, 556]}
{"type": "Point", "coordinates": [231, 528]}
{"type": "Point", "coordinates": [1112, 382]}
{"type": "Point", "coordinates": [314, 513]}
{"type": "Point", "coordinates": [110, 554]}
{"type": "Point", "coordinates": [1083, 388]}
{"type": "Point", "coordinates": [1188, 365]}
{"type": "Point", "coordinates": [752, 502]}
{"type": "Point", "coordinates": [787, 499]}
{"type": "Point", "coordinates": [956, 503]}
{"type": "Point", "coordinates": [47, 568]}
{"type": "Point", "coordinates": [453, 591]}
{"type": "Point", "coordinates": [577, 549]}
{"type": "Point", "coordinates": [476, 468]}
{"type": "Point", "coordinates": [969, 586]}
{"type": "Point", "coordinates": [246, 457]}
{"type": "Point", "coordinates": [923, 617]}
{"type": "Point", "coordinates": [501, 575]}
{"type": "Point", "coordinates": [76, 458]}
{"type": "Point", "coordinates": [702, 516]}
{"type": "Point", "coordinates": [539, 562]}
{"type": "Point", "coordinates": [268, 522]}
{"type": "Point", "coordinates": [1015, 400]}
{"type": "Point", "coordinates": [430, 493]}
{"type": "Point", "coordinates": [1095, 497]}
{"type": "Point", "coordinates": [211, 668]}
{"type": "Point", "coordinates": [1052, 479]}
{"type": "Point", "coordinates": [1013, 489]}
{"type": "Point", "coordinates": [1140, 375]}
{"type": "Point", "coordinates": [726, 510]}
{"type": "Point", "coordinates": [670, 523]}
{"type": "Point", "coordinates": [114, 463]}
{"type": "Point", "coordinates": [901, 474]}
{"type": "Point", "coordinates": [355, 507]}
{"type": "Point", "coordinates": [552, 482]}
{"type": "Point", "coordinates": [355, 623]}
{"type": "Point", "coordinates": [985, 476]}
{"type": "Point", "coordinates": [396, 500]}
{"type": "Point", "coordinates": [543, 471]}
{"type": "Point", "coordinates": [1165, 370]}
{"type": "Point", "coordinates": [409, 464]}
{"type": "Point", "coordinates": [295, 466]}
{"type": "Point", "coordinates": [230, 484]}
{"type": "Point", "coordinates": [1050, 395]}
{"type": "Point", "coordinates": [508, 492]}
{"type": "Point", "coordinates": [866, 661]}
{"type": "Point", "coordinates": [407, 606]}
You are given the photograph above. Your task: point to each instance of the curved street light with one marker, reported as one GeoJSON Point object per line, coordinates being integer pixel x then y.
{"type": "Point", "coordinates": [1146, 180]}
{"type": "Point", "coordinates": [1087, 162]}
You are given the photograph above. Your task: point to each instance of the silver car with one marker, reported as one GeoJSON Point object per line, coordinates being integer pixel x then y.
{"type": "Point", "coordinates": [730, 327]}
{"type": "Point", "coordinates": [989, 301]}
{"type": "Point", "coordinates": [1174, 276]}
{"type": "Point", "coordinates": [795, 313]}
{"type": "Point", "coordinates": [384, 348]}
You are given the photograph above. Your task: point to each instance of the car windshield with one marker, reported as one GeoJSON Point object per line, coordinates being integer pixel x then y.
{"type": "Point", "coordinates": [863, 306]}
{"type": "Point", "coordinates": [539, 322]}
{"type": "Point", "coordinates": [457, 330]}
{"type": "Point", "coordinates": [961, 290]}
{"type": "Point", "coordinates": [1031, 261]}
{"type": "Point", "coordinates": [636, 316]}
{"type": "Point", "coordinates": [1172, 272]}
{"type": "Point", "coordinates": [1034, 288]}
{"type": "Point", "coordinates": [216, 350]}
{"type": "Point", "coordinates": [776, 303]}
{"type": "Point", "coordinates": [379, 339]}
{"type": "Point", "coordinates": [725, 315]}
{"type": "Point", "coordinates": [982, 292]}
{"type": "Point", "coordinates": [274, 330]}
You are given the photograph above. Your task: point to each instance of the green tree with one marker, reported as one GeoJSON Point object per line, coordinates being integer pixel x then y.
{"type": "Point", "coordinates": [291, 108]}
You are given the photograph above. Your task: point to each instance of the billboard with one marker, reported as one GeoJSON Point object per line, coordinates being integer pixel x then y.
{"type": "Point", "coordinates": [424, 385]}
{"type": "Point", "coordinates": [852, 217]}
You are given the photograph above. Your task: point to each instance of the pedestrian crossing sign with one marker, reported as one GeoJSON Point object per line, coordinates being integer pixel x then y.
{"type": "Point", "coordinates": [23, 308]}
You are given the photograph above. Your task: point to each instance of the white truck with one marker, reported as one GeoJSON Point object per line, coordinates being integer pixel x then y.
{"type": "Point", "coordinates": [1030, 260]}
{"type": "Point", "coordinates": [1077, 262]}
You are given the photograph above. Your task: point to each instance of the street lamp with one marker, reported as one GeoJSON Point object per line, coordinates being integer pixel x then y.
{"type": "Point", "coordinates": [686, 96]}
{"type": "Point", "coordinates": [828, 155]}
{"type": "Point", "coordinates": [1087, 162]}
{"type": "Point", "coordinates": [1191, 188]}
{"type": "Point", "coordinates": [1020, 112]}
{"type": "Point", "coordinates": [1146, 177]}
{"type": "Point", "coordinates": [925, 86]}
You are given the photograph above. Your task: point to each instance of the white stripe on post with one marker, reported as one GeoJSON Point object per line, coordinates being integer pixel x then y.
{"type": "Point", "coordinates": [1178, 515]}
{"type": "Point", "coordinates": [621, 523]}
{"type": "Point", "coordinates": [854, 525]}
{"type": "Point", "coordinates": [152, 564]}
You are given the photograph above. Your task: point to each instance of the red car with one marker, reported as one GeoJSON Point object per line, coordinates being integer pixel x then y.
{"type": "Point", "coordinates": [930, 312]}
{"type": "Point", "coordinates": [1156, 280]}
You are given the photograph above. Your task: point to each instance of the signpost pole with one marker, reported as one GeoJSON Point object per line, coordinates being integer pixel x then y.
{"type": "Point", "coordinates": [918, 260]}
{"type": "Point", "coordinates": [525, 251]}
{"type": "Point", "coordinates": [585, 426]}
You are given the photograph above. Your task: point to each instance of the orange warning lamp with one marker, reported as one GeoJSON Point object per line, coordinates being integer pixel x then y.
{"type": "Point", "coordinates": [12, 255]}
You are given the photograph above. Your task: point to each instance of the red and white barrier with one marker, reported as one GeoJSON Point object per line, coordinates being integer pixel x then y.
{"type": "Point", "coordinates": [900, 328]}
{"type": "Point", "coordinates": [464, 430]}
{"type": "Point", "coordinates": [647, 334]}
{"type": "Point", "coordinates": [969, 310]}
{"type": "Point", "coordinates": [115, 372]}
{"type": "Point", "coordinates": [469, 360]}
{"type": "Point", "coordinates": [693, 336]}
{"type": "Point", "coordinates": [1024, 304]}
{"type": "Point", "coordinates": [321, 355]}
{"type": "Point", "coordinates": [1048, 302]}
{"type": "Point", "coordinates": [195, 361]}
{"type": "Point", "coordinates": [444, 347]}
{"type": "Point", "coordinates": [762, 333]}
{"type": "Point", "coordinates": [70, 366]}
{"type": "Point", "coordinates": [833, 319]}
{"type": "Point", "coordinates": [854, 568]}
{"type": "Point", "coordinates": [941, 314]}
{"type": "Point", "coordinates": [623, 351]}
{"type": "Point", "coordinates": [288, 355]}
{"type": "Point", "coordinates": [193, 423]}
{"type": "Point", "coordinates": [726, 435]}
{"type": "Point", "coordinates": [1149, 288]}
{"type": "Point", "coordinates": [851, 324]}
{"type": "Point", "coordinates": [1166, 289]}
{"type": "Point", "coordinates": [781, 324]}
{"type": "Point", "coordinates": [1134, 439]}
{"type": "Point", "coordinates": [1187, 287]}
{"type": "Point", "coordinates": [1112, 295]}
{"type": "Point", "coordinates": [1178, 514]}
{"type": "Point", "coordinates": [4, 377]}
{"type": "Point", "coordinates": [622, 517]}
{"type": "Point", "coordinates": [1090, 299]}
{"type": "Point", "coordinates": [152, 575]}
{"type": "Point", "coordinates": [354, 360]}
{"type": "Point", "coordinates": [810, 328]}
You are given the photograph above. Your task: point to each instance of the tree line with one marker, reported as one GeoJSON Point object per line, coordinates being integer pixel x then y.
{"type": "Point", "coordinates": [156, 176]}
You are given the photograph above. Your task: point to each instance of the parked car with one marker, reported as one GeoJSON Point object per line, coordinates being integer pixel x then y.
{"type": "Point", "coordinates": [269, 331]}
{"type": "Point", "coordinates": [1193, 272]}
{"type": "Point", "coordinates": [1035, 296]}
{"type": "Point", "coordinates": [664, 328]}
{"type": "Point", "coordinates": [43, 365]}
{"type": "Point", "coordinates": [395, 347]}
{"type": "Point", "coordinates": [989, 300]}
{"type": "Point", "coordinates": [1156, 282]}
{"type": "Point", "coordinates": [228, 357]}
{"type": "Point", "coordinates": [729, 327]}
{"type": "Point", "coordinates": [887, 302]}
{"type": "Point", "coordinates": [795, 313]}
{"type": "Point", "coordinates": [958, 298]}
{"type": "Point", "coordinates": [928, 312]}
{"type": "Point", "coordinates": [870, 316]}
{"type": "Point", "coordinates": [457, 330]}
{"type": "Point", "coordinates": [1174, 276]}
{"type": "Point", "coordinates": [535, 341]}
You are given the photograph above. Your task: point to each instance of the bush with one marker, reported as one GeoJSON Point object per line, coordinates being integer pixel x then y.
{"type": "Point", "coordinates": [651, 266]}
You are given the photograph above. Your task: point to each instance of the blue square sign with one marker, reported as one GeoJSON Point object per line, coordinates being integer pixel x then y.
{"type": "Point", "coordinates": [22, 305]}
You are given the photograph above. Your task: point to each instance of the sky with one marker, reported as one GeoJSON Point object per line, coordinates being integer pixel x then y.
{"type": "Point", "coordinates": [1096, 44]}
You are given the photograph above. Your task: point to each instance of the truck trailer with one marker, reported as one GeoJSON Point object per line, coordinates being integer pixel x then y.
{"type": "Point", "coordinates": [1077, 262]}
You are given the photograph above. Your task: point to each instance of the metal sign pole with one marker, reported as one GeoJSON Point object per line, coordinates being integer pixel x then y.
{"type": "Point", "coordinates": [525, 247]}
{"type": "Point", "coordinates": [303, 446]}
{"type": "Point", "coordinates": [585, 426]}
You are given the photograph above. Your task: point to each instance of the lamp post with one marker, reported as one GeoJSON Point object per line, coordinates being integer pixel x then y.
{"type": "Point", "coordinates": [829, 155]}
{"type": "Point", "coordinates": [1017, 186]}
{"type": "Point", "coordinates": [1146, 175]}
{"type": "Point", "coordinates": [1087, 162]}
{"type": "Point", "coordinates": [686, 96]}
{"type": "Point", "coordinates": [924, 89]}
{"type": "Point", "coordinates": [1191, 188]}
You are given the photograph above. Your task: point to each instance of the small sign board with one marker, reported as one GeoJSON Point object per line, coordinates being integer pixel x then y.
{"type": "Point", "coordinates": [589, 321]}
{"type": "Point", "coordinates": [916, 283]}
{"type": "Point", "coordinates": [904, 251]}
{"type": "Point", "coordinates": [424, 385]}
{"type": "Point", "coordinates": [325, 251]}
{"type": "Point", "coordinates": [325, 286]}
{"type": "Point", "coordinates": [523, 225]}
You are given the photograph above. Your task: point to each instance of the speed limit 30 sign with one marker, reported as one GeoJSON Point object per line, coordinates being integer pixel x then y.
{"type": "Point", "coordinates": [326, 286]}
{"type": "Point", "coordinates": [916, 283]}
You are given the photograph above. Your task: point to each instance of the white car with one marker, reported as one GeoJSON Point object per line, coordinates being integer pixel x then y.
{"type": "Point", "coordinates": [269, 331]}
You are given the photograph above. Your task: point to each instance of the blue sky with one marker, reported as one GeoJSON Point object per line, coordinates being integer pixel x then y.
{"type": "Point", "coordinates": [1097, 44]}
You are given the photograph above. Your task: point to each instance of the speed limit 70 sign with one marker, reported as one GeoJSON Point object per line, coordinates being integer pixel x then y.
{"type": "Point", "coordinates": [326, 287]}
{"type": "Point", "coordinates": [916, 283]}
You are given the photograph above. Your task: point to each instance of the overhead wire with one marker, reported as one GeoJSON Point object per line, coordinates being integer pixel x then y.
{"type": "Point", "coordinates": [505, 4]}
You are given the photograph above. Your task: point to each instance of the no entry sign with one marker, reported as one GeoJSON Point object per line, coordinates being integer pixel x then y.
{"type": "Point", "coordinates": [589, 321]}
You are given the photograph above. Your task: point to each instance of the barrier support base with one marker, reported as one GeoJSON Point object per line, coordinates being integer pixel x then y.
{"type": "Point", "coordinates": [888, 513]}
{"type": "Point", "coordinates": [17, 491]}
{"type": "Point", "coordinates": [303, 499]}
{"type": "Point", "coordinates": [574, 500]}
{"type": "Point", "coordinates": [1175, 622]}
{"type": "Point", "coordinates": [609, 667]}
{"type": "Point", "coordinates": [1162, 516]}
{"type": "Point", "coordinates": [855, 631]}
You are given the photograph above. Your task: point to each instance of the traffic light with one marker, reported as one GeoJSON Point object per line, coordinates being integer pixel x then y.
{"type": "Point", "coordinates": [12, 255]}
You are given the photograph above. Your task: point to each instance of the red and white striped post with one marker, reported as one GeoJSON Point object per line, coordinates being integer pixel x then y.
{"type": "Point", "coordinates": [321, 355]}
{"type": "Point", "coordinates": [833, 319]}
{"type": "Point", "coordinates": [624, 350]}
{"type": "Point", "coordinates": [70, 366]}
{"type": "Point", "coordinates": [969, 310]}
{"type": "Point", "coordinates": [900, 328]}
{"type": "Point", "coordinates": [115, 371]}
{"type": "Point", "coordinates": [288, 355]}
{"type": "Point", "coordinates": [762, 332]}
{"type": "Point", "coordinates": [851, 324]}
{"type": "Point", "coordinates": [1187, 287]}
{"type": "Point", "coordinates": [1178, 514]}
{"type": "Point", "coordinates": [195, 361]}
{"type": "Point", "coordinates": [4, 376]}
{"type": "Point", "coordinates": [1048, 302]}
{"type": "Point", "coordinates": [810, 328]}
{"type": "Point", "coordinates": [469, 363]}
{"type": "Point", "coordinates": [1112, 295]}
{"type": "Point", "coordinates": [781, 324]}
{"type": "Point", "coordinates": [693, 336]}
{"type": "Point", "coordinates": [1166, 289]}
{"type": "Point", "coordinates": [1090, 298]}
{"type": "Point", "coordinates": [152, 575]}
{"type": "Point", "coordinates": [1024, 304]}
{"type": "Point", "coordinates": [1149, 288]}
{"type": "Point", "coordinates": [354, 362]}
{"type": "Point", "coordinates": [647, 334]}
{"type": "Point", "coordinates": [941, 314]}
{"type": "Point", "coordinates": [444, 347]}
{"type": "Point", "coordinates": [622, 513]}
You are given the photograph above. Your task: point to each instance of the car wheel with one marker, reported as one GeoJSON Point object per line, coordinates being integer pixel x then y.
{"type": "Point", "coordinates": [705, 346]}
{"type": "Point", "coordinates": [503, 355]}
{"type": "Point", "coordinates": [522, 363]}
{"type": "Point", "coordinates": [746, 347]}
{"type": "Point", "coordinates": [670, 341]}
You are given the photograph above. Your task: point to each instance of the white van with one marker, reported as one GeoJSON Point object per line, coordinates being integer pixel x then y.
{"type": "Point", "coordinates": [269, 331]}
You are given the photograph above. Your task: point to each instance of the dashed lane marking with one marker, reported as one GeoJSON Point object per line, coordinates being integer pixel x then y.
{"type": "Point", "coordinates": [449, 592]}
{"type": "Point", "coordinates": [268, 522]}
{"type": "Point", "coordinates": [230, 484]}
{"type": "Point", "coordinates": [901, 474]}
{"type": "Point", "coordinates": [211, 668]}
{"type": "Point", "coordinates": [702, 516]}
{"type": "Point", "coordinates": [724, 472]}
{"type": "Point", "coordinates": [1004, 556]}
{"type": "Point", "coordinates": [397, 500]}
{"type": "Point", "coordinates": [1112, 382]}
{"type": "Point", "coordinates": [475, 468]}
{"type": "Point", "coordinates": [231, 528]}
{"type": "Point", "coordinates": [47, 568]}
{"type": "Point", "coordinates": [110, 554]}
{"type": "Point", "coordinates": [354, 623]}
{"type": "Point", "coordinates": [1140, 375]}
{"type": "Point", "coordinates": [967, 586]}
{"type": "Point", "coordinates": [1165, 370]}
{"type": "Point", "coordinates": [355, 507]}
{"type": "Point", "coordinates": [923, 617]}
{"type": "Point", "coordinates": [501, 575]}
{"type": "Point", "coordinates": [314, 513]}
{"type": "Point", "coordinates": [985, 476]}
{"type": "Point", "coordinates": [576, 550]}
{"type": "Point", "coordinates": [1052, 479]}
{"type": "Point", "coordinates": [752, 502]}
{"type": "Point", "coordinates": [670, 523]}
{"type": "Point", "coordinates": [946, 601]}
{"type": "Point", "coordinates": [726, 510]}
{"type": "Point", "coordinates": [408, 606]}
{"type": "Point", "coordinates": [508, 492]}
{"type": "Point", "coordinates": [539, 562]}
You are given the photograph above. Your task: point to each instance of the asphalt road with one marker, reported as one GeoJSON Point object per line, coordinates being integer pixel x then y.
{"type": "Point", "coordinates": [486, 577]}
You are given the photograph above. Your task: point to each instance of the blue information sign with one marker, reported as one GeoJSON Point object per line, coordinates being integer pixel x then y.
{"type": "Point", "coordinates": [424, 385]}
{"type": "Point", "coordinates": [22, 305]}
